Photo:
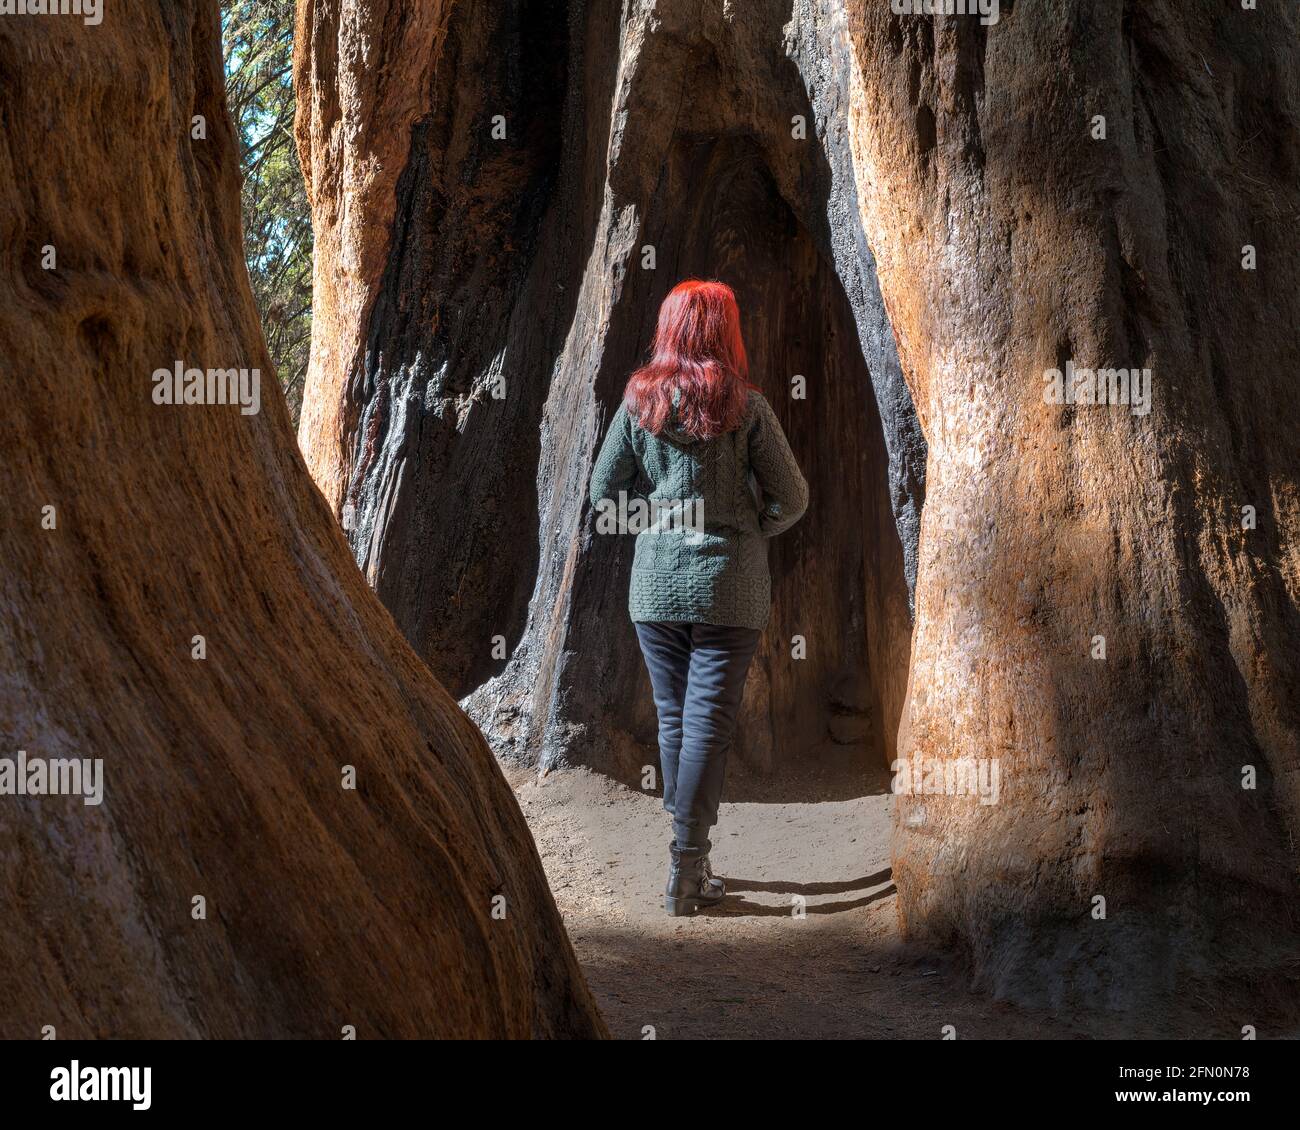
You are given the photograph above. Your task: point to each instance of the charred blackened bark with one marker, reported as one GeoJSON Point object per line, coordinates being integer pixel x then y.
{"type": "Point", "coordinates": [569, 168]}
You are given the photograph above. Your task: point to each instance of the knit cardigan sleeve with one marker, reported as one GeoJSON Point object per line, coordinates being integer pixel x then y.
{"type": "Point", "coordinates": [616, 468]}
{"type": "Point", "coordinates": [783, 489]}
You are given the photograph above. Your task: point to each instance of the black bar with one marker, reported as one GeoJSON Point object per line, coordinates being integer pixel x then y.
{"type": "Point", "coordinates": [337, 1080]}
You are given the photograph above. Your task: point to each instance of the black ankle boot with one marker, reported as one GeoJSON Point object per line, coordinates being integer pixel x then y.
{"type": "Point", "coordinates": [691, 883]}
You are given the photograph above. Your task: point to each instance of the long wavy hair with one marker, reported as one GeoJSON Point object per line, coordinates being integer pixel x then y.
{"type": "Point", "coordinates": [699, 353]}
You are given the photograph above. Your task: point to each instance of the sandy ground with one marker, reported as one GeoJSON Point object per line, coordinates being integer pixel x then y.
{"type": "Point", "coordinates": [805, 945]}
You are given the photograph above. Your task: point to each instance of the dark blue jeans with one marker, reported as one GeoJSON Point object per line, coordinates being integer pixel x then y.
{"type": "Point", "coordinates": [698, 675]}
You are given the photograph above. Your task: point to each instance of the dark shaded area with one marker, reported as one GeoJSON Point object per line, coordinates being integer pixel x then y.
{"type": "Point", "coordinates": [717, 212]}
{"type": "Point", "coordinates": [842, 887]}
{"type": "Point", "coordinates": [703, 988]}
{"type": "Point", "coordinates": [442, 508]}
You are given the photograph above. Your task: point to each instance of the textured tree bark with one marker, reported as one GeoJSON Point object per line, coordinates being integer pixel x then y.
{"type": "Point", "coordinates": [522, 264]}
{"type": "Point", "coordinates": [1010, 241]}
{"type": "Point", "coordinates": [325, 907]}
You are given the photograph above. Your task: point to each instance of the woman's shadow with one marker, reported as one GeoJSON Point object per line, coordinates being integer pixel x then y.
{"type": "Point", "coordinates": [733, 906]}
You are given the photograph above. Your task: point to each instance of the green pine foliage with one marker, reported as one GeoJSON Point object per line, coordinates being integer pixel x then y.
{"type": "Point", "coordinates": [257, 36]}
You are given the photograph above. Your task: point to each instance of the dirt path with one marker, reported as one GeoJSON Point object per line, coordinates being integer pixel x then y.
{"type": "Point", "coordinates": [754, 968]}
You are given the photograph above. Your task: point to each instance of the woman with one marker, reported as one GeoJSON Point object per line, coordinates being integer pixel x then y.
{"type": "Point", "coordinates": [722, 480]}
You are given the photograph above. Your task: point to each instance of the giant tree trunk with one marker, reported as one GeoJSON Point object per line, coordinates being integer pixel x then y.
{"type": "Point", "coordinates": [325, 907]}
{"type": "Point", "coordinates": [1010, 242]}
{"type": "Point", "coordinates": [525, 260]}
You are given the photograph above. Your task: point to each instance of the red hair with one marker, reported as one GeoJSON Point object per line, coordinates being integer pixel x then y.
{"type": "Point", "coordinates": [698, 351]}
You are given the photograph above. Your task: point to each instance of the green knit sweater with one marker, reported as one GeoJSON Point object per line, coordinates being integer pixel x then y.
{"type": "Point", "coordinates": [701, 556]}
